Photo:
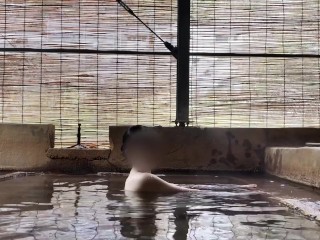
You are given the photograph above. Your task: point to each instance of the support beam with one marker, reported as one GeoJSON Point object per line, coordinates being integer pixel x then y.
{"type": "Point", "coordinates": [182, 111]}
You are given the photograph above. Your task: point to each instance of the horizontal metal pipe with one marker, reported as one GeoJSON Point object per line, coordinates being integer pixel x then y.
{"type": "Point", "coordinates": [81, 51]}
{"type": "Point", "coordinates": [127, 52]}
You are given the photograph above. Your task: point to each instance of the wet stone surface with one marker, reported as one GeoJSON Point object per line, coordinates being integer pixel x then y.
{"type": "Point", "coordinates": [95, 207]}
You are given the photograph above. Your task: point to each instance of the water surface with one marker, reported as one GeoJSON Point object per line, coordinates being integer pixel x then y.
{"type": "Point", "coordinates": [95, 207]}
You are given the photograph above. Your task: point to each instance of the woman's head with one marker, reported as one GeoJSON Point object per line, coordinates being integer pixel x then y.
{"type": "Point", "coordinates": [142, 146]}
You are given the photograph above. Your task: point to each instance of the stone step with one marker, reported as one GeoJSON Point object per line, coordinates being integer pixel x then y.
{"type": "Point", "coordinates": [298, 164]}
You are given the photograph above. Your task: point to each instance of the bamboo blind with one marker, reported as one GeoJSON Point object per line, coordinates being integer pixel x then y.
{"type": "Point", "coordinates": [255, 91]}
{"type": "Point", "coordinates": [96, 90]}
{"type": "Point", "coordinates": [99, 90]}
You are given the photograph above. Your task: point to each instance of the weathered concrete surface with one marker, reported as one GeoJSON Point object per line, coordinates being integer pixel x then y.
{"type": "Point", "coordinates": [77, 160]}
{"type": "Point", "coordinates": [203, 149]}
{"type": "Point", "coordinates": [7, 176]}
{"type": "Point", "coordinates": [296, 164]}
{"type": "Point", "coordinates": [196, 149]}
{"type": "Point", "coordinates": [290, 137]}
{"type": "Point", "coordinates": [217, 149]}
{"type": "Point", "coordinates": [310, 209]}
{"type": "Point", "coordinates": [24, 146]}
{"type": "Point", "coordinates": [72, 154]}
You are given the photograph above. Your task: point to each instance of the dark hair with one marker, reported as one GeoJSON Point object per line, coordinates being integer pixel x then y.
{"type": "Point", "coordinates": [131, 131]}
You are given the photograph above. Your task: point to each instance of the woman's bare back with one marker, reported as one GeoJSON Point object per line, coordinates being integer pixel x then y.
{"type": "Point", "coordinates": [147, 182]}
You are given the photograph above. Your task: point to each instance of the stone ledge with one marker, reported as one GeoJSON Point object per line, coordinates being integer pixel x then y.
{"type": "Point", "coordinates": [78, 161]}
{"type": "Point", "coordinates": [310, 209]}
{"type": "Point", "coordinates": [13, 175]}
{"type": "Point", "coordinates": [78, 154]}
{"type": "Point", "coordinates": [23, 147]}
{"type": "Point", "coordinates": [300, 165]}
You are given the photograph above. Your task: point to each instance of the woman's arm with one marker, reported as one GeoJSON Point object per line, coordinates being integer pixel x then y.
{"type": "Point", "coordinates": [151, 183]}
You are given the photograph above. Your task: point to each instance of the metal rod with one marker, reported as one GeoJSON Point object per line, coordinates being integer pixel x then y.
{"type": "Point", "coordinates": [182, 108]}
{"type": "Point", "coordinates": [168, 45]}
{"type": "Point", "coordinates": [257, 55]}
{"type": "Point", "coordinates": [129, 10]}
{"type": "Point", "coordinates": [120, 52]}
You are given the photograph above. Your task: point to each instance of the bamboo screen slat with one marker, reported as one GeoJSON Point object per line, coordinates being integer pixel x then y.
{"type": "Point", "coordinates": [250, 91]}
{"type": "Point", "coordinates": [95, 90]}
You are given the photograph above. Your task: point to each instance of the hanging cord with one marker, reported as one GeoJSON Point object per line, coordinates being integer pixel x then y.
{"type": "Point", "coordinates": [169, 46]}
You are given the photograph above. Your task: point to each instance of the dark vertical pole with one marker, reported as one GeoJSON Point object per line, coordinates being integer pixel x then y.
{"type": "Point", "coordinates": [182, 111]}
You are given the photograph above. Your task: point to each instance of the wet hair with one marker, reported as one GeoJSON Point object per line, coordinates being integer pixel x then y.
{"type": "Point", "coordinates": [131, 131]}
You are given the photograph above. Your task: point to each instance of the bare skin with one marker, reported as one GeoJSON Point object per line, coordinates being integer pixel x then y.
{"type": "Point", "coordinates": [148, 182]}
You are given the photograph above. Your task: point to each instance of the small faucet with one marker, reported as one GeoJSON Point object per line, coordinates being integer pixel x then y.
{"type": "Point", "coordinates": [78, 145]}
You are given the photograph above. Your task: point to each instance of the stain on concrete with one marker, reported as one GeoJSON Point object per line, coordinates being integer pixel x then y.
{"type": "Point", "coordinates": [225, 161]}
{"type": "Point", "coordinates": [241, 166]}
{"type": "Point", "coordinates": [230, 156]}
{"type": "Point", "coordinates": [213, 161]}
{"type": "Point", "coordinates": [214, 152]}
{"type": "Point", "coordinates": [274, 162]}
{"type": "Point", "coordinates": [260, 153]}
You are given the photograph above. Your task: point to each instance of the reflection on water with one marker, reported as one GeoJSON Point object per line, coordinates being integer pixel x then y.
{"type": "Point", "coordinates": [138, 217]}
{"type": "Point", "coordinates": [91, 207]}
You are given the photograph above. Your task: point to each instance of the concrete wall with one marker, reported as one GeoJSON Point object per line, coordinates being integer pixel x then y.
{"type": "Point", "coordinates": [296, 164]}
{"type": "Point", "coordinates": [217, 149]}
{"type": "Point", "coordinates": [24, 146]}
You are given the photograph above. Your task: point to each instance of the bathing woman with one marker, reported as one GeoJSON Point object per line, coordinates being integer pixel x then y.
{"type": "Point", "coordinates": [143, 149]}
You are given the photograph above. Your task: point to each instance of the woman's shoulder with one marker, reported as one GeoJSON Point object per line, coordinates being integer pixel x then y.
{"type": "Point", "coordinates": [146, 182]}
{"type": "Point", "coordinates": [137, 181]}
